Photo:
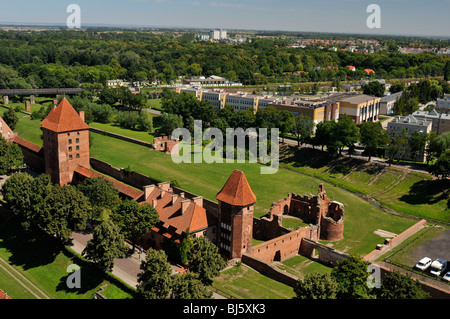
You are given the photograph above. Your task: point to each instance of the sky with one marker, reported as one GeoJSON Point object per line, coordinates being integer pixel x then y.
{"type": "Point", "coordinates": [402, 17]}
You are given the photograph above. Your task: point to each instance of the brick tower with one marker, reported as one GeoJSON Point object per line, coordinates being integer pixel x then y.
{"type": "Point", "coordinates": [66, 142]}
{"type": "Point", "coordinates": [236, 201]}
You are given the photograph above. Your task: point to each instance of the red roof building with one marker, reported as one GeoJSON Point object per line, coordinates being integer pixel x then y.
{"type": "Point", "coordinates": [65, 143]}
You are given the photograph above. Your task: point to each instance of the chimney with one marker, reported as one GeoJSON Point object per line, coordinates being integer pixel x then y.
{"type": "Point", "coordinates": [148, 190]}
{"type": "Point", "coordinates": [165, 185]}
{"type": "Point", "coordinates": [184, 205]}
{"type": "Point", "coordinates": [174, 199]}
{"type": "Point", "coordinates": [82, 115]}
{"type": "Point", "coordinates": [182, 195]}
{"type": "Point", "coordinates": [154, 202]}
{"type": "Point", "coordinates": [198, 201]}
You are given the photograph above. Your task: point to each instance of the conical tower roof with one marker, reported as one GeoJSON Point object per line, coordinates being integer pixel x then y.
{"type": "Point", "coordinates": [64, 118]}
{"type": "Point", "coordinates": [237, 191]}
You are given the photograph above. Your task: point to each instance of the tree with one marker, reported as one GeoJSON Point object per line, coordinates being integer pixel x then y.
{"type": "Point", "coordinates": [325, 134]}
{"type": "Point", "coordinates": [102, 194]}
{"type": "Point", "coordinates": [17, 193]}
{"type": "Point", "coordinates": [11, 156]}
{"type": "Point", "coordinates": [351, 275]}
{"type": "Point", "coordinates": [372, 136]}
{"type": "Point", "coordinates": [287, 123]}
{"type": "Point", "coordinates": [188, 286]}
{"type": "Point", "coordinates": [346, 133]}
{"type": "Point", "coordinates": [108, 96]}
{"type": "Point", "coordinates": [155, 281]}
{"type": "Point", "coordinates": [397, 147]}
{"type": "Point", "coordinates": [10, 117]}
{"type": "Point", "coordinates": [206, 260]}
{"type": "Point", "coordinates": [447, 71]}
{"type": "Point", "coordinates": [106, 245]}
{"type": "Point", "coordinates": [170, 122]}
{"type": "Point", "coordinates": [63, 210]}
{"type": "Point", "coordinates": [135, 220]}
{"type": "Point", "coordinates": [316, 286]}
{"type": "Point", "coordinates": [303, 128]}
{"type": "Point", "coordinates": [398, 286]}
{"type": "Point", "coordinates": [416, 143]}
{"type": "Point", "coordinates": [441, 168]}
{"type": "Point", "coordinates": [374, 88]}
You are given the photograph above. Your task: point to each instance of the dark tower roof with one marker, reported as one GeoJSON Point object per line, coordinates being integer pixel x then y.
{"type": "Point", "coordinates": [237, 191]}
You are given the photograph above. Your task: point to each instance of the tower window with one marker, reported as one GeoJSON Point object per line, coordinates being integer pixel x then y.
{"type": "Point", "coordinates": [70, 157]}
{"type": "Point", "coordinates": [78, 147]}
{"type": "Point", "coordinates": [78, 155]}
{"type": "Point", "coordinates": [70, 141]}
{"type": "Point", "coordinates": [78, 140]}
{"type": "Point", "coordinates": [70, 148]}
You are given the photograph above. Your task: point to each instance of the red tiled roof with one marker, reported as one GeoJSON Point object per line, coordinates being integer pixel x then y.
{"type": "Point", "coordinates": [170, 210]}
{"type": "Point", "coordinates": [64, 118]}
{"type": "Point", "coordinates": [21, 142]}
{"type": "Point", "coordinates": [121, 187]}
{"type": "Point", "coordinates": [3, 294]}
{"type": "Point", "coordinates": [237, 191]}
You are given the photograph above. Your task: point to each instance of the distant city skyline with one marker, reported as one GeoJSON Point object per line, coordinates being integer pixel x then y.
{"type": "Point", "coordinates": [398, 17]}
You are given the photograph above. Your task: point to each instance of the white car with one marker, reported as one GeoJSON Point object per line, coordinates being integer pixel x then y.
{"type": "Point", "coordinates": [424, 263]}
{"type": "Point", "coordinates": [446, 276]}
{"type": "Point", "coordinates": [438, 267]}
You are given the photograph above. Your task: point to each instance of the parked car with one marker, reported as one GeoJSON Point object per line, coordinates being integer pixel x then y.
{"type": "Point", "coordinates": [438, 267]}
{"type": "Point", "coordinates": [424, 263]}
{"type": "Point", "coordinates": [446, 276]}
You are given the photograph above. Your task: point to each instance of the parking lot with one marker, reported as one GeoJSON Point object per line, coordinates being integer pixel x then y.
{"type": "Point", "coordinates": [438, 247]}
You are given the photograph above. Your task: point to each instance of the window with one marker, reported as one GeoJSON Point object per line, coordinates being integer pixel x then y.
{"type": "Point", "coordinates": [78, 140]}
{"type": "Point", "coordinates": [70, 141]}
{"type": "Point", "coordinates": [70, 148]}
{"type": "Point", "coordinates": [70, 157]}
{"type": "Point", "coordinates": [78, 148]}
{"type": "Point", "coordinates": [78, 155]}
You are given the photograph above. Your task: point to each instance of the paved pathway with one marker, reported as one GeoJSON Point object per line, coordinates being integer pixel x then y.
{"type": "Point", "coordinates": [126, 269]}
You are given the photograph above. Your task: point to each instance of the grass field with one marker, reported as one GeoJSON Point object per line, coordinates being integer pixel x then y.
{"type": "Point", "coordinates": [362, 218]}
{"type": "Point", "coordinates": [43, 264]}
{"type": "Point", "coordinates": [242, 282]}
{"type": "Point", "coordinates": [408, 192]}
{"type": "Point", "coordinates": [206, 180]}
{"type": "Point", "coordinates": [139, 135]}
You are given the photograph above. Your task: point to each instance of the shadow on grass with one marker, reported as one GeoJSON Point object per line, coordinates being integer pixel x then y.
{"type": "Point", "coordinates": [318, 159]}
{"type": "Point", "coordinates": [427, 192]}
{"type": "Point", "coordinates": [28, 249]}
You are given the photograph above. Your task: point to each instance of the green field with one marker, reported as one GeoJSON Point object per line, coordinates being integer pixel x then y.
{"type": "Point", "coordinates": [242, 282]}
{"type": "Point", "coordinates": [139, 135]}
{"type": "Point", "coordinates": [409, 192]}
{"type": "Point", "coordinates": [361, 218]}
{"type": "Point", "coordinates": [44, 263]}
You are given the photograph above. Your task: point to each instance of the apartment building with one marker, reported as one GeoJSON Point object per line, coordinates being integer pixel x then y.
{"type": "Point", "coordinates": [361, 108]}
{"type": "Point", "coordinates": [411, 124]}
{"type": "Point", "coordinates": [443, 105]}
{"type": "Point", "coordinates": [440, 121]}
{"type": "Point", "coordinates": [387, 103]}
{"type": "Point", "coordinates": [319, 110]}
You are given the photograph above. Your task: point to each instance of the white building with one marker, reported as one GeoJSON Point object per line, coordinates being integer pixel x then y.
{"type": "Point", "coordinates": [411, 124]}
{"type": "Point", "coordinates": [218, 34]}
{"type": "Point", "coordinates": [443, 105]}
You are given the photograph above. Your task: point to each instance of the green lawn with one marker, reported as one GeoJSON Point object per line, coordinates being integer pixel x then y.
{"type": "Point", "coordinates": [411, 193]}
{"type": "Point", "coordinates": [45, 264]}
{"type": "Point", "coordinates": [139, 135]}
{"type": "Point", "coordinates": [242, 282]}
{"type": "Point", "coordinates": [362, 218]}
{"type": "Point", "coordinates": [300, 266]}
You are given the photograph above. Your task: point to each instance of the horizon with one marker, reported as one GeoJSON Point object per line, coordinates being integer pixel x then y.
{"type": "Point", "coordinates": [398, 17]}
